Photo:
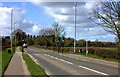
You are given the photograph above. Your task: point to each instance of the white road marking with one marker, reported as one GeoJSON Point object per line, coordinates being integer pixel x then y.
{"type": "Point", "coordinates": [25, 50]}
{"type": "Point", "coordinates": [93, 70]}
{"type": "Point", "coordinates": [76, 58]}
{"type": "Point", "coordinates": [32, 49]}
{"type": "Point", "coordinates": [58, 59]}
{"type": "Point", "coordinates": [78, 66]}
{"type": "Point", "coordinates": [69, 62]}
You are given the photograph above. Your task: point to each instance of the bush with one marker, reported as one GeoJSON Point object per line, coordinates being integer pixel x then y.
{"type": "Point", "coordinates": [104, 53]}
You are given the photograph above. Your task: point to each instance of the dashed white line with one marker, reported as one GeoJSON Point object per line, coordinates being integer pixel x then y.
{"type": "Point", "coordinates": [59, 59]}
{"type": "Point", "coordinates": [69, 63]}
{"type": "Point", "coordinates": [76, 58]}
{"type": "Point", "coordinates": [32, 49]}
{"type": "Point", "coordinates": [56, 58]}
{"type": "Point", "coordinates": [51, 56]}
{"type": "Point", "coordinates": [78, 66]}
{"type": "Point", "coordinates": [93, 70]}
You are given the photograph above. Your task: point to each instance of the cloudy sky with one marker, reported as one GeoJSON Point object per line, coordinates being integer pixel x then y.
{"type": "Point", "coordinates": [31, 17]}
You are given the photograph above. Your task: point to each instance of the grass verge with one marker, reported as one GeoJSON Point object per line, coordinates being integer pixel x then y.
{"type": "Point", "coordinates": [34, 69]}
{"type": "Point", "coordinates": [97, 57]}
{"type": "Point", "coordinates": [20, 48]}
{"type": "Point", "coordinates": [6, 57]}
{"type": "Point", "coordinates": [107, 47]}
{"type": "Point", "coordinates": [84, 54]}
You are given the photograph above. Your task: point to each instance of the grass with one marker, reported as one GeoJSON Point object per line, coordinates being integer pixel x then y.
{"type": "Point", "coordinates": [97, 57]}
{"type": "Point", "coordinates": [6, 57]}
{"type": "Point", "coordinates": [108, 47]}
{"type": "Point", "coordinates": [21, 48]}
{"type": "Point", "coordinates": [0, 64]}
{"type": "Point", "coordinates": [34, 69]}
{"type": "Point", "coordinates": [88, 55]}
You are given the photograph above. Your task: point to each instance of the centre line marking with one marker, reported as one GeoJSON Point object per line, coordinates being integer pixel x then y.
{"type": "Point", "coordinates": [59, 59]}
{"type": "Point", "coordinates": [93, 70]}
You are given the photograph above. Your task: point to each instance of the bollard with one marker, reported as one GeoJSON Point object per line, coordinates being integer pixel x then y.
{"type": "Point", "coordinates": [9, 51]}
{"type": "Point", "coordinates": [22, 49]}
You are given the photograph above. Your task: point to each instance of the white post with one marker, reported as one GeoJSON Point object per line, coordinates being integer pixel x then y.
{"type": "Point", "coordinates": [86, 48]}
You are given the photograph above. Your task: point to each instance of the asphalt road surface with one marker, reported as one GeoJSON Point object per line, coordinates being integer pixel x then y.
{"type": "Point", "coordinates": [58, 64]}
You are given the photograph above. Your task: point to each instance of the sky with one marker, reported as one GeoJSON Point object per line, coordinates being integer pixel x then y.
{"type": "Point", "coordinates": [31, 17]}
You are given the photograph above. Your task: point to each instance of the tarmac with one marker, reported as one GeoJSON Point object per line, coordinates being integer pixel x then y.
{"type": "Point", "coordinates": [17, 66]}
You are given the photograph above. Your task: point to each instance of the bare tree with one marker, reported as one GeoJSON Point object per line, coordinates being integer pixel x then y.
{"type": "Point", "coordinates": [107, 15]}
{"type": "Point", "coordinates": [58, 30]}
{"type": "Point", "coordinates": [46, 32]}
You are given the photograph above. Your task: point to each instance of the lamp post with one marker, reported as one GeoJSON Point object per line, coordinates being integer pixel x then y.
{"type": "Point", "coordinates": [15, 34]}
{"type": "Point", "coordinates": [11, 29]}
{"type": "Point", "coordinates": [14, 29]}
{"type": "Point", "coordinates": [75, 29]}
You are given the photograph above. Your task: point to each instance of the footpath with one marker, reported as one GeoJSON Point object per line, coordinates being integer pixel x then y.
{"type": "Point", "coordinates": [17, 66]}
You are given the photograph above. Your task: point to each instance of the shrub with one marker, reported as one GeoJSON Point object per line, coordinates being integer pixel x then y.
{"type": "Point", "coordinates": [104, 53]}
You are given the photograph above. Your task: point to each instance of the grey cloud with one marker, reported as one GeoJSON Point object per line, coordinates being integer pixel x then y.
{"type": "Point", "coordinates": [79, 19]}
{"type": "Point", "coordinates": [69, 11]}
{"type": "Point", "coordinates": [59, 4]}
{"type": "Point", "coordinates": [92, 32]}
{"type": "Point", "coordinates": [24, 25]}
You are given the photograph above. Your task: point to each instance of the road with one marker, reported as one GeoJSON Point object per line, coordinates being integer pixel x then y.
{"type": "Point", "coordinates": [59, 64]}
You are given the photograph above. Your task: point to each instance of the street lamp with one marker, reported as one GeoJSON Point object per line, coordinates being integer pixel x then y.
{"type": "Point", "coordinates": [11, 29]}
{"type": "Point", "coordinates": [75, 29]}
{"type": "Point", "coordinates": [14, 30]}
{"type": "Point", "coordinates": [11, 26]}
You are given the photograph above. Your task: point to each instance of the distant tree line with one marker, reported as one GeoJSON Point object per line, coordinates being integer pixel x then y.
{"type": "Point", "coordinates": [45, 38]}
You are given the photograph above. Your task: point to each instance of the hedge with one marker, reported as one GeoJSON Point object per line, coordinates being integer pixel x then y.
{"type": "Point", "coordinates": [105, 53]}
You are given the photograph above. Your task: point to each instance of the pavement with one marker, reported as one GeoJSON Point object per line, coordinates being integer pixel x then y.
{"type": "Point", "coordinates": [70, 64]}
{"type": "Point", "coordinates": [17, 66]}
